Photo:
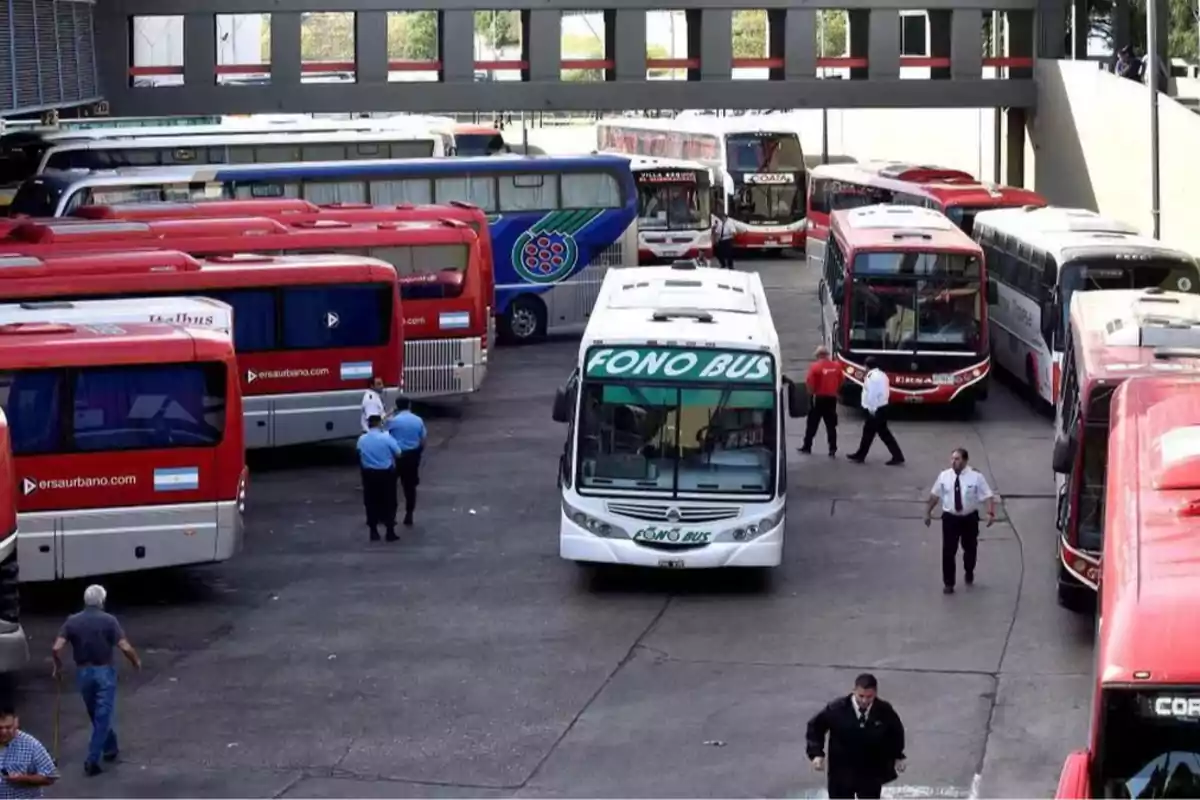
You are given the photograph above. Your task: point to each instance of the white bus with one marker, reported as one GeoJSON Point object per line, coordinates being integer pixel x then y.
{"type": "Point", "coordinates": [25, 153]}
{"type": "Point", "coordinates": [675, 454]}
{"type": "Point", "coordinates": [1039, 257]}
{"type": "Point", "coordinates": [189, 312]}
{"type": "Point", "coordinates": [674, 209]}
{"type": "Point", "coordinates": [758, 170]}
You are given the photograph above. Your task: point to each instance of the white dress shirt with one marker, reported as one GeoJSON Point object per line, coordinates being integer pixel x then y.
{"type": "Point", "coordinates": [876, 390]}
{"type": "Point", "coordinates": [973, 486]}
{"type": "Point", "coordinates": [723, 229]}
{"type": "Point", "coordinates": [372, 406]}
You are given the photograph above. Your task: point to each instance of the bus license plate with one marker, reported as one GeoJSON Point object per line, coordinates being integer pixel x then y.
{"type": "Point", "coordinates": [772, 242]}
{"type": "Point", "coordinates": [943, 380]}
{"type": "Point", "coordinates": [671, 563]}
{"type": "Point", "coordinates": [914, 398]}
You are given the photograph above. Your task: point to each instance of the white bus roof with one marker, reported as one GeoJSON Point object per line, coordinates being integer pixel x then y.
{"type": "Point", "coordinates": [1139, 317]}
{"type": "Point", "coordinates": [1067, 233]}
{"type": "Point", "coordinates": [189, 312]}
{"type": "Point", "coordinates": [733, 306]}
{"type": "Point", "coordinates": [713, 126]}
{"type": "Point", "coordinates": [637, 163]}
{"type": "Point", "coordinates": [238, 137]}
{"type": "Point", "coordinates": [246, 126]}
{"type": "Point", "coordinates": [887, 217]}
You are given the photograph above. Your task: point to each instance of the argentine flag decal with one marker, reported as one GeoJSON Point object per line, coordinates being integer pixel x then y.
{"type": "Point", "coordinates": [177, 479]}
{"type": "Point", "coordinates": [357, 370]}
{"type": "Point", "coordinates": [454, 320]}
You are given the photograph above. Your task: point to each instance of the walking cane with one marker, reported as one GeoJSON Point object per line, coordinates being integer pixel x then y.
{"type": "Point", "coordinates": [57, 713]}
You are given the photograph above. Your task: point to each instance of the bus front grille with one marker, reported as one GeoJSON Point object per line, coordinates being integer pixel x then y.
{"type": "Point", "coordinates": [658, 512]}
{"type": "Point", "coordinates": [435, 367]}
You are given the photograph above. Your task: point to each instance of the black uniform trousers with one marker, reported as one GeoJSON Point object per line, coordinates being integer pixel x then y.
{"type": "Point", "coordinates": [723, 250]}
{"type": "Point", "coordinates": [823, 409]}
{"type": "Point", "coordinates": [958, 528]}
{"type": "Point", "coordinates": [877, 425]}
{"type": "Point", "coordinates": [848, 786]}
{"type": "Point", "coordinates": [379, 497]}
{"type": "Point", "coordinates": [408, 470]}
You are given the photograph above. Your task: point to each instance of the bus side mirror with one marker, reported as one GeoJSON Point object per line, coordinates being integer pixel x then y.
{"type": "Point", "coordinates": [797, 399]}
{"type": "Point", "coordinates": [1064, 455]}
{"type": "Point", "coordinates": [562, 406]}
{"type": "Point", "coordinates": [1050, 315]}
{"type": "Point", "coordinates": [1073, 782]}
{"type": "Point", "coordinates": [993, 294]}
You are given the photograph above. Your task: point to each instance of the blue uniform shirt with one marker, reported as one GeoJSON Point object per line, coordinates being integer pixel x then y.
{"type": "Point", "coordinates": [407, 429]}
{"type": "Point", "coordinates": [377, 450]}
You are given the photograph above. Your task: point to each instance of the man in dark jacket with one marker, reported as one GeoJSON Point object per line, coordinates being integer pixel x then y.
{"type": "Point", "coordinates": [866, 742]}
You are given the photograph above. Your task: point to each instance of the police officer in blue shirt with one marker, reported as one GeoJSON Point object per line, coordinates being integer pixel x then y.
{"type": "Point", "coordinates": [409, 432]}
{"type": "Point", "coordinates": [377, 452]}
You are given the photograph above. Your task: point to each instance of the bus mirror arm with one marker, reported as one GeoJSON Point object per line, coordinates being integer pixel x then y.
{"type": "Point", "coordinates": [1064, 455]}
{"type": "Point", "coordinates": [1074, 780]}
{"type": "Point", "coordinates": [562, 406]}
{"type": "Point", "coordinates": [797, 399]}
{"type": "Point", "coordinates": [993, 294]}
{"type": "Point", "coordinates": [1050, 315]}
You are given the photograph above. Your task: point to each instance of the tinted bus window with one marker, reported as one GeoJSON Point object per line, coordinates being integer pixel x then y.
{"type": "Point", "coordinates": [253, 318]}
{"type": "Point", "coordinates": [156, 406]}
{"type": "Point", "coordinates": [427, 273]}
{"type": "Point", "coordinates": [336, 316]}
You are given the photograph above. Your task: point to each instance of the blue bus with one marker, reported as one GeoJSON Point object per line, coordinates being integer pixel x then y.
{"type": "Point", "coordinates": [557, 222]}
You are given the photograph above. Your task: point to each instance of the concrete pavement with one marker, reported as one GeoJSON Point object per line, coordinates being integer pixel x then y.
{"type": "Point", "coordinates": [469, 661]}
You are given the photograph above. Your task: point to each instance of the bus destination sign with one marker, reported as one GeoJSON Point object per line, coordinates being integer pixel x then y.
{"type": "Point", "coordinates": [666, 176]}
{"type": "Point", "coordinates": [663, 363]}
{"type": "Point", "coordinates": [1171, 706]}
{"type": "Point", "coordinates": [770, 178]}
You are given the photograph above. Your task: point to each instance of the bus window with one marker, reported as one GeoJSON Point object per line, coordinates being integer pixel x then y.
{"type": "Point", "coordinates": [326, 192]}
{"type": "Point", "coordinates": [429, 272]}
{"type": "Point", "coordinates": [320, 317]}
{"type": "Point", "coordinates": [253, 318]}
{"type": "Point", "coordinates": [411, 150]}
{"type": "Point", "coordinates": [479, 191]}
{"type": "Point", "coordinates": [590, 190]}
{"type": "Point", "coordinates": [417, 191]}
{"type": "Point", "coordinates": [528, 192]}
{"type": "Point", "coordinates": [1091, 487]}
{"type": "Point", "coordinates": [148, 407]}
{"type": "Point", "coordinates": [33, 403]}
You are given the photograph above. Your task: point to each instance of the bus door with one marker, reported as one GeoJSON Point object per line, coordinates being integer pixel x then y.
{"type": "Point", "coordinates": [830, 290]}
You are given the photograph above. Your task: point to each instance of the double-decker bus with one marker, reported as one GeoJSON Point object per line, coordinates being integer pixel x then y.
{"type": "Point", "coordinates": [758, 171]}
{"type": "Point", "coordinates": [127, 441]}
{"type": "Point", "coordinates": [557, 223]}
{"type": "Point", "coordinates": [674, 209]}
{"type": "Point", "coordinates": [1040, 257]}
{"type": "Point", "coordinates": [25, 153]}
{"type": "Point", "coordinates": [446, 290]}
{"type": "Point", "coordinates": [310, 331]}
{"type": "Point", "coordinates": [14, 647]}
{"type": "Point", "coordinates": [1114, 335]}
{"type": "Point", "coordinates": [675, 453]}
{"type": "Point", "coordinates": [959, 195]}
{"type": "Point", "coordinates": [904, 284]}
{"type": "Point", "coordinates": [1144, 737]}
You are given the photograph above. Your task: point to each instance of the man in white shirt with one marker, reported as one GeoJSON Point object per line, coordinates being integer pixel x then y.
{"type": "Point", "coordinates": [723, 229]}
{"type": "Point", "coordinates": [372, 402]}
{"type": "Point", "coordinates": [961, 491]}
{"type": "Point", "coordinates": [875, 393]}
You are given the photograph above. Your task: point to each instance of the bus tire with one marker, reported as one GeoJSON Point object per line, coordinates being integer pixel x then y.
{"type": "Point", "coordinates": [1072, 595]}
{"type": "Point", "coordinates": [966, 406]}
{"type": "Point", "coordinates": [525, 320]}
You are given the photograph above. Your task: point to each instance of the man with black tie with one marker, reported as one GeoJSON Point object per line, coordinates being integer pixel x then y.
{"type": "Point", "coordinates": [866, 742]}
{"type": "Point", "coordinates": [960, 491]}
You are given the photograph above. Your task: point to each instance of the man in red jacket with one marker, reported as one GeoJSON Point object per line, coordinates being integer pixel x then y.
{"type": "Point", "coordinates": [824, 381]}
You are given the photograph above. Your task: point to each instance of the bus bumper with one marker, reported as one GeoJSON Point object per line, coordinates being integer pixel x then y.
{"type": "Point", "coordinates": [962, 386]}
{"type": "Point", "coordinates": [577, 544]}
{"type": "Point", "coordinates": [781, 238]}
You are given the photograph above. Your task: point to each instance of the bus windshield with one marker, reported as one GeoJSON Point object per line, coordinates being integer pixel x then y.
{"type": "Point", "coordinates": [479, 144]}
{"type": "Point", "coordinates": [1109, 272]}
{"type": "Point", "coordinates": [758, 203]}
{"type": "Point", "coordinates": [916, 301]}
{"type": "Point", "coordinates": [1151, 745]}
{"type": "Point", "coordinates": [764, 152]}
{"type": "Point", "coordinates": [672, 206]}
{"type": "Point", "coordinates": [19, 162]}
{"type": "Point", "coordinates": [635, 436]}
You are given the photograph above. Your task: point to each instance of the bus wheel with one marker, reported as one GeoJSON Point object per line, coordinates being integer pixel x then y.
{"type": "Point", "coordinates": [1072, 595]}
{"type": "Point", "coordinates": [966, 407]}
{"type": "Point", "coordinates": [525, 320]}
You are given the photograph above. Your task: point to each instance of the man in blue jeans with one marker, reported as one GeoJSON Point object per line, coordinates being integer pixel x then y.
{"type": "Point", "coordinates": [92, 634]}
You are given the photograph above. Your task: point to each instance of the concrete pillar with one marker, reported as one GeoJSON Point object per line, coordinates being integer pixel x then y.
{"type": "Point", "coordinates": [371, 47]}
{"type": "Point", "coordinates": [541, 45]}
{"type": "Point", "coordinates": [625, 44]}
{"type": "Point", "coordinates": [112, 27]}
{"type": "Point", "coordinates": [1020, 41]}
{"type": "Point", "coordinates": [199, 49]}
{"type": "Point", "coordinates": [1163, 20]}
{"type": "Point", "coordinates": [456, 46]}
{"type": "Point", "coordinates": [710, 39]}
{"type": "Point", "coordinates": [859, 34]}
{"type": "Point", "coordinates": [285, 51]}
{"type": "Point", "coordinates": [1051, 29]}
{"type": "Point", "coordinates": [792, 36]}
{"type": "Point", "coordinates": [966, 46]}
{"type": "Point", "coordinates": [1121, 24]}
{"type": "Point", "coordinates": [940, 35]}
{"type": "Point", "coordinates": [1014, 147]}
{"type": "Point", "coordinates": [1079, 29]}
{"type": "Point", "coordinates": [884, 44]}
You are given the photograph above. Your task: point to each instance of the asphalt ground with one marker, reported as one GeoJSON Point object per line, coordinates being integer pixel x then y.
{"type": "Point", "coordinates": [468, 660]}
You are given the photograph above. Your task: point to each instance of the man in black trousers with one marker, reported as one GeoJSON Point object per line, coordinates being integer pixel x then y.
{"type": "Point", "coordinates": [866, 742]}
{"type": "Point", "coordinates": [960, 491]}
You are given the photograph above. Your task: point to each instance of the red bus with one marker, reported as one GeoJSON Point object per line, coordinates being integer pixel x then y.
{"type": "Point", "coordinates": [420, 349]}
{"type": "Point", "coordinates": [310, 331]}
{"type": "Point", "coordinates": [443, 284]}
{"type": "Point", "coordinates": [905, 285]}
{"type": "Point", "coordinates": [128, 446]}
{"type": "Point", "coordinates": [1144, 738]}
{"type": "Point", "coordinates": [1115, 334]}
{"type": "Point", "coordinates": [14, 648]}
{"type": "Point", "coordinates": [959, 195]}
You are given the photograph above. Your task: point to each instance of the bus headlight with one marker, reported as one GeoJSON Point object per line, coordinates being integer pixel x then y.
{"type": "Point", "coordinates": [747, 533]}
{"type": "Point", "coordinates": [592, 525]}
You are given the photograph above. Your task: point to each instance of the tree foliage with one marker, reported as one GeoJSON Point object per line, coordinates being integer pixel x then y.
{"type": "Point", "coordinates": [498, 29]}
{"type": "Point", "coordinates": [750, 33]}
{"type": "Point", "coordinates": [327, 36]}
{"type": "Point", "coordinates": [588, 47]}
{"type": "Point", "coordinates": [1181, 26]}
{"type": "Point", "coordinates": [832, 29]}
{"type": "Point", "coordinates": [412, 35]}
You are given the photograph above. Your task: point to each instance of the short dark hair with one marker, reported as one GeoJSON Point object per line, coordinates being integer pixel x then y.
{"type": "Point", "coordinates": [866, 681]}
{"type": "Point", "coordinates": [871, 362]}
{"type": "Point", "coordinates": [403, 404]}
{"type": "Point", "coordinates": [962, 451]}
{"type": "Point", "coordinates": [374, 421]}
{"type": "Point", "coordinates": [7, 711]}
